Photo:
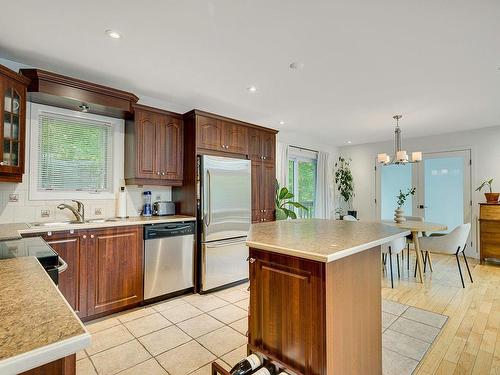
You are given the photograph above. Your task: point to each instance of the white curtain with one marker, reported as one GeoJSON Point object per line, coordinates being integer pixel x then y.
{"type": "Point", "coordinates": [324, 183]}
{"type": "Point", "coordinates": [282, 163]}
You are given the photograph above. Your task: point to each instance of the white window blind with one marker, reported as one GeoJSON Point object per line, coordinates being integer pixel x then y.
{"type": "Point", "coordinates": [74, 154]}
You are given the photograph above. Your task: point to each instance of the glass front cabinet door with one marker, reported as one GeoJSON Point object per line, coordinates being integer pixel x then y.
{"type": "Point", "coordinates": [13, 119]}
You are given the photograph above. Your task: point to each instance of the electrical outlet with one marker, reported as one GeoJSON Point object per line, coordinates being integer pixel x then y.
{"type": "Point", "coordinates": [13, 197]}
{"type": "Point", "coordinates": [98, 211]}
{"type": "Point", "coordinates": [44, 213]}
{"type": "Point", "coordinates": [158, 197]}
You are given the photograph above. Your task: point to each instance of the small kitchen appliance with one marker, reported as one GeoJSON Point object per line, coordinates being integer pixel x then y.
{"type": "Point", "coordinates": [163, 208]}
{"type": "Point", "coordinates": [147, 210]}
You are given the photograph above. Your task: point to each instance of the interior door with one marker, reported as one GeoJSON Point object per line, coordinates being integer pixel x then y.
{"type": "Point", "coordinates": [444, 188]}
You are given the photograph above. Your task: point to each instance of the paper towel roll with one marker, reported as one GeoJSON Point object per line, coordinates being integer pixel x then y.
{"type": "Point", "coordinates": [121, 203]}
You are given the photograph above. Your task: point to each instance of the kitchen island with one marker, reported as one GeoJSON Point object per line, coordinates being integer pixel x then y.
{"type": "Point", "coordinates": [315, 297]}
{"type": "Point", "coordinates": [38, 329]}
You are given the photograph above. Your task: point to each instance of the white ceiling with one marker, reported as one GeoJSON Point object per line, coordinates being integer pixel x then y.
{"type": "Point", "coordinates": [435, 61]}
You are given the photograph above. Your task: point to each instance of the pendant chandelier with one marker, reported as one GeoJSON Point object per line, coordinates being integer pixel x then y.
{"type": "Point", "coordinates": [400, 156]}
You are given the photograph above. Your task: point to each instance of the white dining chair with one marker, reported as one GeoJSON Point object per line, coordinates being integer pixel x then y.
{"type": "Point", "coordinates": [395, 247]}
{"type": "Point", "coordinates": [452, 243]}
{"type": "Point", "coordinates": [349, 218]}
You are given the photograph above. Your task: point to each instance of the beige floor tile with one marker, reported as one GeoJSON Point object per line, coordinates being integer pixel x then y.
{"type": "Point", "coordinates": [236, 355]}
{"type": "Point", "coordinates": [101, 324]}
{"type": "Point", "coordinates": [108, 338]}
{"type": "Point", "coordinates": [206, 302]}
{"type": "Point", "coordinates": [244, 303]}
{"type": "Point", "coordinates": [396, 364]}
{"type": "Point", "coordinates": [164, 339]}
{"type": "Point", "coordinates": [85, 367]}
{"type": "Point", "coordinates": [207, 369]}
{"type": "Point", "coordinates": [147, 324]}
{"type": "Point", "coordinates": [393, 308]}
{"type": "Point", "coordinates": [228, 314]}
{"type": "Point", "coordinates": [233, 295]}
{"type": "Point", "coordinates": [81, 355]}
{"type": "Point", "coordinates": [150, 367]}
{"type": "Point", "coordinates": [182, 312]}
{"type": "Point", "coordinates": [414, 329]}
{"type": "Point", "coordinates": [387, 319]}
{"type": "Point", "coordinates": [426, 317]}
{"type": "Point", "coordinates": [222, 341]}
{"type": "Point", "coordinates": [120, 358]}
{"type": "Point", "coordinates": [240, 325]}
{"type": "Point", "coordinates": [163, 305]}
{"type": "Point", "coordinates": [185, 359]}
{"type": "Point", "coordinates": [135, 314]}
{"type": "Point", "coordinates": [200, 325]}
{"type": "Point", "coordinates": [405, 345]}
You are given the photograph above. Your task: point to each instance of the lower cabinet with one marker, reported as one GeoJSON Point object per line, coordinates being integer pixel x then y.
{"type": "Point", "coordinates": [105, 268]}
{"type": "Point", "coordinates": [114, 269]}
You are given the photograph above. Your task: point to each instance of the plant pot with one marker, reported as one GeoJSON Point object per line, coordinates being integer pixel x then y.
{"type": "Point", "coordinates": [399, 215]}
{"type": "Point", "coordinates": [353, 213]}
{"type": "Point", "coordinates": [492, 197]}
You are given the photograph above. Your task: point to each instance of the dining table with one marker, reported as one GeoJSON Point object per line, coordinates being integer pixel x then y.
{"type": "Point", "coordinates": [416, 227]}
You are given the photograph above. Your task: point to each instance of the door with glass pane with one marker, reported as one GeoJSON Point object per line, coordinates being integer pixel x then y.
{"type": "Point", "coordinates": [443, 188]}
{"type": "Point", "coordinates": [13, 113]}
{"type": "Point", "coordinates": [302, 183]}
{"type": "Point", "coordinates": [392, 179]}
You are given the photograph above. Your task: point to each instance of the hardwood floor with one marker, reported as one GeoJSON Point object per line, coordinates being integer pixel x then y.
{"type": "Point", "coordinates": [470, 340]}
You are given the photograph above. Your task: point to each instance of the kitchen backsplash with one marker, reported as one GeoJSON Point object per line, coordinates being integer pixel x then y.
{"type": "Point", "coordinates": [15, 206]}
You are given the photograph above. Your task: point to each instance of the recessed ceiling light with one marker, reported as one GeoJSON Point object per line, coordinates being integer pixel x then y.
{"type": "Point", "coordinates": [113, 34]}
{"type": "Point", "coordinates": [349, 142]}
{"type": "Point", "coordinates": [296, 65]}
{"type": "Point", "coordinates": [282, 122]}
{"type": "Point", "coordinates": [252, 89]}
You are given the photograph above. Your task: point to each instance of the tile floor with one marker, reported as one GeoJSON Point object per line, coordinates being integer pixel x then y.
{"type": "Point", "coordinates": [184, 335]}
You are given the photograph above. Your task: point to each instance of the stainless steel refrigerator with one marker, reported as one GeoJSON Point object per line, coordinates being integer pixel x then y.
{"type": "Point", "coordinates": [225, 193]}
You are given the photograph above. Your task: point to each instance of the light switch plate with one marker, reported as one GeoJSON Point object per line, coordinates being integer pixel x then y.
{"type": "Point", "coordinates": [13, 197]}
{"type": "Point", "coordinates": [44, 213]}
{"type": "Point", "coordinates": [98, 211]}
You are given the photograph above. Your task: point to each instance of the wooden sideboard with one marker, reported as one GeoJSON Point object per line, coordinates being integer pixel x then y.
{"type": "Point", "coordinates": [489, 231]}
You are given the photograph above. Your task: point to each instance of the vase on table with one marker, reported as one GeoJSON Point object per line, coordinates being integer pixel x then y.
{"type": "Point", "coordinates": [399, 215]}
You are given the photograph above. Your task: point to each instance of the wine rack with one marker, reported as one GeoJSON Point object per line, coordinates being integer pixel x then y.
{"type": "Point", "coordinates": [219, 370]}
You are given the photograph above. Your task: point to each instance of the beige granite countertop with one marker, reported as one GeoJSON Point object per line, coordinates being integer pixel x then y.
{"type": "Point", "coordinates": [319, 239]}
{"type": "Point", "coordinates": [15, 230]}
{"type": "Point", "coordinates": [36, 322]}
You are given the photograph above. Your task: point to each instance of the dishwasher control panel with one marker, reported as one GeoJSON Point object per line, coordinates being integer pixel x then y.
{"type": "Point", "coordinates": [153, 231]}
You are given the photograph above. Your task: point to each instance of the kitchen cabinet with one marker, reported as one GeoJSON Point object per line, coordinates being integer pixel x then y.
{"type": "Point", "coordinates": [105, 268]}
{"type": "Point", "coordinates": [220, 135]}
{"type": "Point", "coordinates": [115, 261]}
{"type": "Point", "coordinates": [489, 231]}
{"type": "Point", "coordinates": [154, 147]}
{"type": "Point", "coordinates": [262, 151]}
{"type": "Point", "coordinates": [72, 283]}
{"type": "Point", "coordinates": [13, 124]}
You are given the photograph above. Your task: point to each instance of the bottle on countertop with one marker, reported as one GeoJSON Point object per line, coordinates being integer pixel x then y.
{"type": "Point", "coordinates": [247, 365]}
{"type": "Point", "coordinates": [267, 369]}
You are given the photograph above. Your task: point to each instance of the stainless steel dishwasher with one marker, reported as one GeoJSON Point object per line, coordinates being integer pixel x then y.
{"type": "Point", "coordinates": [169, 258]}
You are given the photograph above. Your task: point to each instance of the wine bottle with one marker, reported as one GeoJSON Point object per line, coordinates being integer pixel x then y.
{"type": "Point", "coordinates": [247, 365]}
{"type": "Point", "coordinates": [267, 369]}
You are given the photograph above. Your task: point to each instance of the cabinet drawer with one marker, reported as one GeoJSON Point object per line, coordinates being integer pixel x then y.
{"type": "Point", "coordinates": [489, 226]}
{"type": "Point", "coordinates": [490, 212]}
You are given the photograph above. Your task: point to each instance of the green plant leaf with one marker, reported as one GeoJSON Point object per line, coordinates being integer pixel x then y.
{"type": "Point", "coordinates": [298, 205]}
{"type": "Point", "coordinates": [283, 192]}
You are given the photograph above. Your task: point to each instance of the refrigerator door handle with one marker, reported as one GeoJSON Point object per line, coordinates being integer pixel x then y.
{"type": "Point", "coordinates": [208, 213]}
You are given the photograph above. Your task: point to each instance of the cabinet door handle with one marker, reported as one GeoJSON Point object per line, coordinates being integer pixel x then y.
{"type": "Point", "coordinates": [84, 236]}
{"type": "Point", "coordinates": [2, 163]}
{"type": "Point", "coordinates": [158, 173]}
{"type": "Point", "coordinates": [91, 236]}
{"type": "Point", "coordinates": [163, 173]}
{"type": "Point", "coordinates": [251, 260]}
{"type": "Point", "coordinates": [264, 210]}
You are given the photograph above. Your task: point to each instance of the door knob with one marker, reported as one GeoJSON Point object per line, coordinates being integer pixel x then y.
{"type": "Point", "coordinates": [421, 206]}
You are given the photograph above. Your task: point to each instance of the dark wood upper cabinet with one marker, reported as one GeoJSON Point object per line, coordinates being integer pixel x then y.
{"type": "Point", "coordinates": [67, 92]}
{"type": "Point", "coordinates": [115, 260]}
{"type": "Point", "coordinates": [261, 145]}
{"type": "Point", "coordinates": [12, 124]}
{"type": "Point", "coordinates": [154, 149]}
{"type": "Point", "coordinates": [234, 138]}
{"type": "Point", "coordinates": [209, 133]}
{"type": "Point", "coordinates": [263, 190]}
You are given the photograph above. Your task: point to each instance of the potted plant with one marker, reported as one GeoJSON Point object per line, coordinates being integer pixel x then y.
{"type": "Point", "coordinates": [490, 197]}
{"type": "Point", "coordinates": [399, 213]}
{"type": "Point", "coordinates": [284, 199]}
{"type": "Point", "coordinates": [345, 182]}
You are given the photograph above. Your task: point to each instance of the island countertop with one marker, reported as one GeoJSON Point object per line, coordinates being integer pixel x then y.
{"type": "Point", "coordinates": [320, 239]}
{"type": "Point", "coordinates": [37, 325]}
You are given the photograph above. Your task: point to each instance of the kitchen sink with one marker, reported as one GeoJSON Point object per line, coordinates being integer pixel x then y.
{"type": "Point", "coordinates": [63, 223]}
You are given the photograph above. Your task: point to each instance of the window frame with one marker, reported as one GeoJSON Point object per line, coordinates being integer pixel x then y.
{"type": "Point", "coordinates": [297, 155]}
{"type": "Point", "coordinates": [116, 125]}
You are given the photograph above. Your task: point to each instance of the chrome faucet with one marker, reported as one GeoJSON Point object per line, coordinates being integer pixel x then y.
{"type": "Point", "coordinates": [79, 212]}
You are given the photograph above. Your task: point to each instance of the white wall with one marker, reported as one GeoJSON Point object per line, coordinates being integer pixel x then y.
{"type": "Point", "coordinates": [485, 163]}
